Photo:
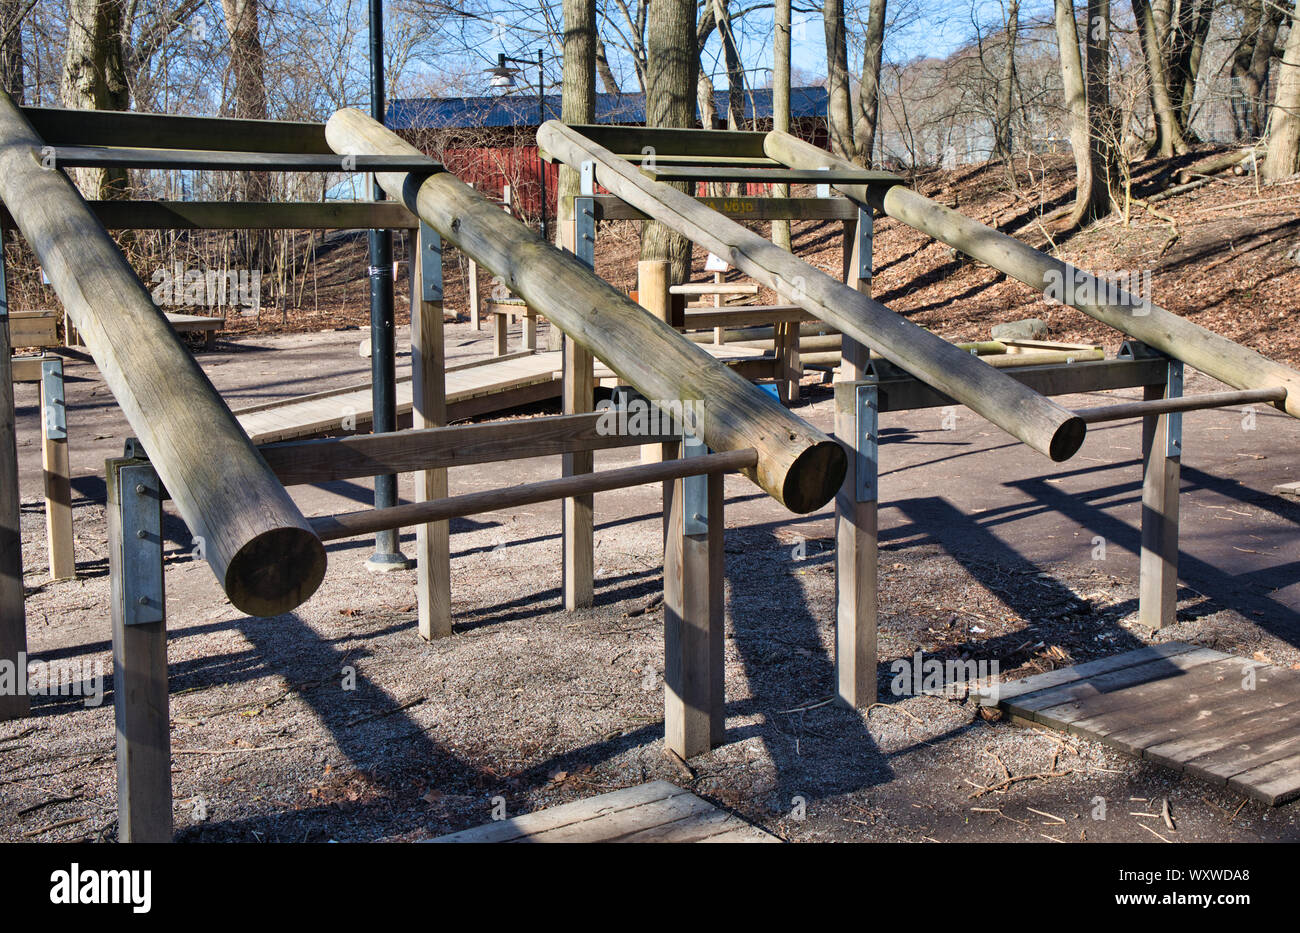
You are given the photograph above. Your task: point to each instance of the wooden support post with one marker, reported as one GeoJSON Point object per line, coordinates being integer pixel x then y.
{"type": "Point", "coordinates": [144, 780]}
{"type": "Point", "coordinates": [429, 394]}
{"type": "Point", "coordinates": [788, 370]}
{"type": "Point", "coordinates": [1162, 440]}
{"type": "Point", "coordinates": [13, 620]}
{"type": "Point", "coordinates": [719, 333]}
{"type": "Point", "coordinates": [475, 300]}
{"type": "Point", "coordinates": [58, 479]}
{"type": "Point", "coordinates": [500, 331]}
{"type": "Point", "coordinates": [694, 668]}
{"type": "Point", "coordinates": [653, 294]}
{"type": "Point", "coordinates": [856, 507]}
{"type": "Point", "coordinates": [530, 329]}
{"type": "Point", "coordinates": [578, 521]}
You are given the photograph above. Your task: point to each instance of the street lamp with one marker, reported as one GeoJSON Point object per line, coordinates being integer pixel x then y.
{"type": "Point", "coordinates": [503, 78]}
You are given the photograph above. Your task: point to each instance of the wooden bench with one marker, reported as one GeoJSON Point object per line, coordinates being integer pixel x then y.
{"type": "Point", "coordinates": [504, 313]}
{"type": "Point", "coordinates": [197, 323]}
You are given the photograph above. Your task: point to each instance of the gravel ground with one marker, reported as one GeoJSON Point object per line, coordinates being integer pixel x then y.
{"type": "Point", "coordinates": [338, 722]}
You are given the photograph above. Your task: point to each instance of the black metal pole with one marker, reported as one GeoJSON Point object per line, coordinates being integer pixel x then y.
{"type": "Point", "coordinates": [383, 366]}
{"type": "Point", "coordinates": [541, 118]}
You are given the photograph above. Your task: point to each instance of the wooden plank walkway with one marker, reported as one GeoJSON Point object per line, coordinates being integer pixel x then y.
{"type": "Point", "coordinates": [514, 379]}
{"type": "Point", "coordinates": [653, 812]}
{"type": "Point", "coordinates": [1226, 720]}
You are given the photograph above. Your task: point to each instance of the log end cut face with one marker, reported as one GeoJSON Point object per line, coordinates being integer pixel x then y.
{"type": "Point", "coordinates": [815, 477]}
{"type": "Point", "coordinates": [276, 571]}
{"type": "Point", "coordinates": [1068, 439]}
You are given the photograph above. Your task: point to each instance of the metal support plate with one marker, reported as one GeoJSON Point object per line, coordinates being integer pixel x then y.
{"type": "Point", "coordinates": [1174, 419]}
{"type": "Point", "coordinates": [430, 263]}
{"type": "Point", "coordinates": [866, 221]}
{"type": "Point", "coordinates": [140, 525]}
{"type": "Point", "coordinates": [54, 415]}
{"type": "Point", "coordinates": [695, 491]}
{"type": "Point", "coordinates": [867, 465]}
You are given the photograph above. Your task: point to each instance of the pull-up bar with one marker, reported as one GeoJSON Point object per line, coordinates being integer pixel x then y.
{"type": "Point", "coordinates": [1164, 406]}
{"type": "Point", "coordinates": [350, 524]}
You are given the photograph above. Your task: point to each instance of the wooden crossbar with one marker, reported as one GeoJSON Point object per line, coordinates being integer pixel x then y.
{"type": "Point", "coordinates": [60, 127]}
{"type": "Point", "coordinates": [337, 458]}
{"type": "Point", "coordinates": [251, 215]}
{"type": "Point", "coordinates": [755, 175]}
{"type": "Point", "coordinates": [609, 207]}
{"type": "Point", "coordinates": [1181, 403]}
{"type": "Point", "coordinates": [235, 161]}
{"type": "Point", "coordinates": [369, 521]}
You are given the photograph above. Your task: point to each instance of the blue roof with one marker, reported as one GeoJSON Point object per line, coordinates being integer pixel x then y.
{"type": "Point", "coordinates": [520, 108]}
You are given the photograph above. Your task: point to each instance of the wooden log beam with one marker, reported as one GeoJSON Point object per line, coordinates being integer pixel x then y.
{"type": "Point", "coordinates": [60, 127]}
{"type": "Point", "coordinates": [1161, 406]}
{"type": "Point", "coordinates": [218, 160]}
{"type": "Point", "coordinates": [368, 521]}
{"type": "Point", "coordinates": [270, 215]}
{"type": "Point", "coordinates": [797, 464]}
{"type": "Point", "coordinates": [1039, 422]}
{"type": "Point", "coordinates": [258, 544]}
{"type": "Point", "coordinates": [1136, 316]}
{"type": "Point", "coordinates": [609, 207]}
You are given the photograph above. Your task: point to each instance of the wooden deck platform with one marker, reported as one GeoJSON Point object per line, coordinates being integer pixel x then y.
{"type": "Point", "coordinates": [476, 388]}
{"type": "Point", "coordinates": [654, 812]}
{"type": "Point", "coordinates": [1226, 720]}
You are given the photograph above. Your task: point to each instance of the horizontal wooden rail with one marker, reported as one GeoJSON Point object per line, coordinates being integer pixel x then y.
{"type": "Point", "coordinates": [60, 127]}
{"type": "Point", "coordinates": [667, 141]}
{"type": "Point", "coordinates": [1182, 403]}
{"type": "Point", "coordinates": [337, 458]}
{"type": "Point", "coordinates": [759, 176]}
{"type": "Point", "coordinates": [745, 315]}
{"type": "Point", "coordinates": [217, 160]}
{"type": "Point", "coordinates": [350, 524]}
{"type": "Point", "coordinates": [264, 215]}
{"type": "Point", "coordinates": [714, 288]}
{"type": "Point", "coordinates": [611, 207]}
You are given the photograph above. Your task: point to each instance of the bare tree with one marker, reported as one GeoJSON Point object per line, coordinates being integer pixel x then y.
{"type": "Point", "coordinates": [781, 103]}
{"type": "Point", "coordinates": [94, 79]}
{"type": "Point", "coordinates": [671, 63]}
{"type": "Point", "coordinates": [839, 117]}
{"type": "Point", "coordinates": [12, 14]}
{"type": "Point", "coordinates": [1283, 155]}
{"type": "Point", "coordinates": [1092, 195]}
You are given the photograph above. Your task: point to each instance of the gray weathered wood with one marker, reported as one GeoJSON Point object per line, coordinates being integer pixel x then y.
{"type": "Point", "coordinates": [1160, 405]}
{"type": "Point", "coordinates": [216, 160]}
{"type": "Point", "coordinates": [1039, 422]}
{"type": "Point", "coordinates": [1158, 561]}
{"type": "Point", "coordinates": [270, 215]}
{"type": "Point", "coordinates": [60, 127]}
{"type": "Point", "coordinates": [254, 537]}
{"type": "Point", "coordinates": [13, 620]}
{"type": "Point", "coordinates": [797, 464]}
{"type": "Point", "coordinates": [140, 700]}
{"type": "Point", "coordinates": [693, 625]}
{"type": "Point", "coordinates": [1229, 362]}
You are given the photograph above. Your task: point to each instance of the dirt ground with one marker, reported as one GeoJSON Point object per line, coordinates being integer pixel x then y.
{"type": "Point", "coordinates": [987, 554]}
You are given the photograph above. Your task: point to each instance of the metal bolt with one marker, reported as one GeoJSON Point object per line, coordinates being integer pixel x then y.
{"type": "Point", "coordinates": [141, 489]}
{"type": "Point", "coordinates": [697, 517]}
{"type": "Point", "coordinates": [143, 600]}
{"type": "Point", "coordinates": [141, 534]}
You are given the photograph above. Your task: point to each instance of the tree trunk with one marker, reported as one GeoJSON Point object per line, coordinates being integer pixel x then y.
{"type": "Point", "coordinates": [12, 80]}
{"type": "Point", "coordinates": [1153, 31]}
{"type": "Point", "coordinates": [1283, 156]}
{"type": "Point", "coordinates": [1006, 88]}
{"type": "Point", "coordinates": [839, 108]}
{"type": "Point", "coordinates": [781, 104]}
{"type": "Point", "coordinates": [93, 79]}
{"type": "Point", "coordinates": [1087, 203]}
{"type": "Point", "coordinates": [735, 71]}
{"type": "Point", "coordinates": [869, 87]}
{"type": "Point", "coordinates": [672, 61]}
{"type": "Point", "coordinates": [578, 94]}
{"type": "Point", "coordinates": [247, 66]}
{"type": "Point", "coordinates": [607, 79]}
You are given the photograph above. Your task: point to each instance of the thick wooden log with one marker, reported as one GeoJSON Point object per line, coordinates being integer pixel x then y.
{"type": "Point", "coordinates": [60, 127]}
{"type": "Point", "coordinates": [1039, 422]}
{"type": "Point", "coordinates": [255, 539]}
{"type": "Point", "coordinates": [797, 464]}
{"type": "Point", "coordinates": [13, 621]}
{"type": "Point", "coordinates": [1136, 316]}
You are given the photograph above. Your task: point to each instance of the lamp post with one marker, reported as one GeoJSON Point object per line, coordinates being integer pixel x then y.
{"type": "Point", "coordinates": [503, 77]}
{"type": "Point", "coordinates": [383, 365]}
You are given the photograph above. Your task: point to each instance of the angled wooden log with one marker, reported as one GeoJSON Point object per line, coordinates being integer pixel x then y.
{"type": "Point", "coordinates": [1135, 315]}
{"type": "Point", "coordinates": [1039, 422]}
{"type": "Point", "coordinates": [255, 539]}
{"type": "Point", "coordinates": [797, 464]}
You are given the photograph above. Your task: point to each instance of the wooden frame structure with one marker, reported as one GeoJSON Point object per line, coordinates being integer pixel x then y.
{"type": "Point", "coordinates": [873, 377]}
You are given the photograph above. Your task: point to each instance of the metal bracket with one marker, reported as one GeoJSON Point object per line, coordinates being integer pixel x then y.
{"type": "Point", "coordinates": [824, 190]}
{"type": "Point", "coordinates": [430, 245]}
{"type": "Point", "coordinates": [54, 415]}
{"type": "Point", "coordinates": [139, 494]}
{"type": "Point", "coordinates": [866, 231]}
{"type": "Point", "coordinates": [587, 178]}
{"type": "Point", "coordinates": [867, 466]}
{"type": "Point", "coordinates": [695, 492]}
{"type": "Point", "coordinates": [1174, 419]}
